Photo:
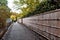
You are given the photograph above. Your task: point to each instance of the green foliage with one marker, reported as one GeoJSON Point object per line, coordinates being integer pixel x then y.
{"type": "Point", "coordinates": [47, 6]}
{"type": "Point", "coordinates": [44, 6]}
{"type": "Point", "coordinates": [30, 6]}
{"type": "Point", "coordinates": [3, 2]}
{"type": "Point", "coordinates": [4, 11]}
{"type": "Point", "coordinates": [37, 6]}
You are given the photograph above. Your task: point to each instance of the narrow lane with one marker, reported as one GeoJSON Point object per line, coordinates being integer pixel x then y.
{"type": "Point", "coordinates": [19, 32]}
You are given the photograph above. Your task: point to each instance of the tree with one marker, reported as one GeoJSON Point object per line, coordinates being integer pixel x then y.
{"type": "Point", "coordinates": [30, 6]}
{"type": "Point", "coordinates": [4, 12]}
{"type": "Point", "coordinates": [36, 6]}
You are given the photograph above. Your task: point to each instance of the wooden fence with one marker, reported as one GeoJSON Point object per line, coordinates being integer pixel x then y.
{"type": "Point", "coordinates": [46, 24]}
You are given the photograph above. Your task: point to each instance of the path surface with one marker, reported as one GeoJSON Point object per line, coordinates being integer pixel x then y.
{"type": "Point", "coordinates": [19, 32]}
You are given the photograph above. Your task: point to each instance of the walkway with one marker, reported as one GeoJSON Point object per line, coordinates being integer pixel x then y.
{"type": "Point", "coordinates": [19, 32]}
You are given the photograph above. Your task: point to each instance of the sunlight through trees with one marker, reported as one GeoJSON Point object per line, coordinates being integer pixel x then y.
{"type": "Point", "coordinates": [33, 7]}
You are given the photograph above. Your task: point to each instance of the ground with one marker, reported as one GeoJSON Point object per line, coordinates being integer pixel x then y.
{"type": "Point", "coordinates": [19, 32]}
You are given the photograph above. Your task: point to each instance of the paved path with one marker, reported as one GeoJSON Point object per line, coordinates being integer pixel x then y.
{"type": "Point", "coordinates": [19, 32]}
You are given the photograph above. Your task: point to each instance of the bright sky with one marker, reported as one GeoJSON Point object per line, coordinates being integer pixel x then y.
{"type": "Point", "coordinates": [12, 6]}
